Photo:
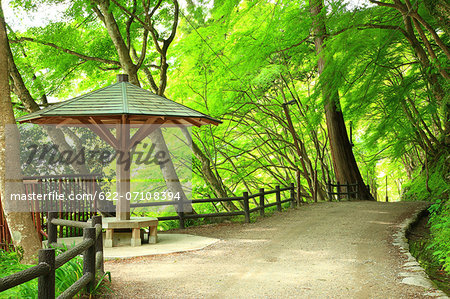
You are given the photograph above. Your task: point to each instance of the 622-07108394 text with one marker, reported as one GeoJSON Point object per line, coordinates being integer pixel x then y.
{"type": "Point", "coordinates": [135, 196]}
{"type": "Point", "coordinates": [142, 196]}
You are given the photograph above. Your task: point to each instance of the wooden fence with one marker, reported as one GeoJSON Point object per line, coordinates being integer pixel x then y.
{"type": "Point", "coordinates": [342, 190]}
{"type": "Point", "coordinates": [92, 244]}
{"type": "Point", "coordinates": [89, 183]}
{"type": "Point", "coordinates": [91, 247]}
{"type": "Point", "coordinates": [74, 210]}
{"type": "Point", "coordinates": [5, 236]}
{"type": "Point", "coordinates": [244, 199]}
{"type": "Point", "coordinates": [66, 184]}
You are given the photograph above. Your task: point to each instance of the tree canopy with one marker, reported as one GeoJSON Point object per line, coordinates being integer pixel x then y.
{"type": "Point", "coordinates": [385, 70]}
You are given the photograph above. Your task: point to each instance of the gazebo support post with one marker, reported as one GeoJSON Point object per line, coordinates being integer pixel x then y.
{"type": "Point", "coordinates": [123, 170]}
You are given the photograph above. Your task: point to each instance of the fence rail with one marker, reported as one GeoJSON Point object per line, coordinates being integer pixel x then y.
{"type": "Point", "coordinates": [91, 247]}
{"type": "Point", "coordinates": [244, 199]}
{"type": "Point", "coordinates": [72, 210]}
{"type": "Point", "coordinates": [342, 190]}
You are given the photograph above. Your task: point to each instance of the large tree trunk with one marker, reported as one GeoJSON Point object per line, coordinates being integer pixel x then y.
{"type": "Point", "coordinates": [21, 226]}
{"type": "Point", "coordinates": [344, 162]}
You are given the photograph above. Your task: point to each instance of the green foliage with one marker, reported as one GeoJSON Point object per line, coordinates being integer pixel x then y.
{"type": "Point", "coordinates": [440, 232]}
{"type": "Point", "coordinates": [65, 276]}
{"type": "Point", "coordinates": [69, 273]}
{"type": "Point", "coordinates": [10, 264]}
{"type": "Point", "coordinates": [437, 182]}
{"type": "Point", "coordinates": [424, 253]}
{"type": "Point", "coordinates": [102, 288]}
{"type": "Point", "coordinates": [439, 243]}
{"type": "Point", "coordinates": [240, 60]}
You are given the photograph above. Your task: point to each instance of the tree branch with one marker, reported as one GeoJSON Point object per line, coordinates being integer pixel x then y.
{"type": "Point", "coordinates": [436, 37]}
{"type": "Point", "coordinates": [98, 12]}
{"type": "Point", "coordinates": [294, 45]}
{"type": "Point", "coordinates": [174, 26]}
{"type": "Point", "coordinates": [129, 22]}
{"type": "Point", "coordinates": [146, 26]}
{"type": "Point", "coordinates": [384, 4]}
{"type": "Point", "coordinates": [143, 51]}
{"type": "Point", "coordinates": [379, 26]}
{"type": "Point", "coordinates": [79, 55]}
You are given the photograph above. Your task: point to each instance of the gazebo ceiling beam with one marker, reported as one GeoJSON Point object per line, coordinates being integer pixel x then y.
{"type": "Point", "coordinates": [208, 121]}
{"type": "Point", "coordinates": [148, 127]}
{"type": "Point", "coordinates": [101, 130]}
{"type": "Point", "coordinates": [97, 123]}
{"type": "Point", "coordinates": [194, 122]}
{"type": "Point", "coordinates": [177, 122]}
{"type": "Point", "coordinates": [64, 121]}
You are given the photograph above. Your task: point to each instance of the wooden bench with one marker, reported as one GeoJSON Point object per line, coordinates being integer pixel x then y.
{"type": "Point", "coordinates": [135, 224]}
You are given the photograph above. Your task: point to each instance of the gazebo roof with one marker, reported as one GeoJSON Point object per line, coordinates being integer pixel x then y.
{"type": "Point", "coordinates": [110, 103]}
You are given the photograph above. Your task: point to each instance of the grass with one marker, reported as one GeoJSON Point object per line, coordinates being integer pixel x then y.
{"type": "Point", "coordinates": [65, 276]}
{"type": "Point", "coordinates": [433, 252]}
{"type": "Point", "coordinates": [422, 248]}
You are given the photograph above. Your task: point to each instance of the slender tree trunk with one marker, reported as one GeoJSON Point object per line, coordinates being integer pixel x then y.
{"type": "Point", "coordinates": [21, 225]}
{"type": "Point", "coordinates": [167, 169]}
{"type": "Point", "coordinates": [344, 162]}
{"type": "Point", "coordinates": [439, 10]}
{"type": "Point", "coordinates": [215, 184]}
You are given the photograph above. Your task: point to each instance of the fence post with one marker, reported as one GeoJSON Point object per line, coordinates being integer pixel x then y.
{"type": "Point", "coordinates": [181, 216]}
{"type": "Point", "coordinates": [292, 195]}
{"type": "Point", "coordinates": [46, 283]}
{"type": "Point", "coordinates": [338, 191]}
{"type": "Point", "coordinates": [348, 191]}
{"type": "Point", "coordinates": [98, 245]}
{"type": "Point", "coordinates": [330, 196]}
{"type": "Point", "coordinates": [357, 191]}
{"type": "Point", "coordinates": [246, 207]}
{"type": "Point", "coordinates": [387, 198]}
{"type": "Point", "coordinates": [262, 204]}
{"type": "Point", "coordinates": [89, 257]}
{"type": "Point", "coordinates": [278, 197]}
{"type": "Point", "coordinates": [52, 230]}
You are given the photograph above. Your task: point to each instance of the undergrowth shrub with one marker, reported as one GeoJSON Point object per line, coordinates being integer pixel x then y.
{"type": "Point", "coordinates": [65, 276]}
{"type": "Point", "coordinates": [438, 182]}
{"type": "Point", "coordinates": [440, 232]}
{"type": "Point", "coordinates": [10, 264]}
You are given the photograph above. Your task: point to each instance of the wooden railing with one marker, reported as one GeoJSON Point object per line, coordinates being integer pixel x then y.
{"type": "Point", "coordinates": [63, 184]}
{"type": "Point", "coordinates": [91, 247]}
{"type": "Point", "coordinates": [244, 199]}
{"type": "Point", "coordinates": [342, 190]}
{"type": "Point", "coordinates": [5, 236]}
{"type": "Point", "coordinates": [75, 210]}
{"type": "Point", "coordinates": [89, 183]}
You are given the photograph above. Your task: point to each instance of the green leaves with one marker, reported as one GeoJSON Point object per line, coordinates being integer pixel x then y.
{"type": "Point", "coordinates": [440, 232]}
{"type": "Point", "coordinates": [239, 61]}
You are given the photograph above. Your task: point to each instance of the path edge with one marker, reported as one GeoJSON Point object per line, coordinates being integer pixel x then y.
{"type": "Point", "coordinates": [412, 272]}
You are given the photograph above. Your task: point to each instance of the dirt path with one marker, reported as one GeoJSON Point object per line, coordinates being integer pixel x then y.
{"type": "Point", "coordinates": [325, 250]}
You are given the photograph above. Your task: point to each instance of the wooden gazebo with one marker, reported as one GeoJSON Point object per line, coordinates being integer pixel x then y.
{"type": "Point", "coordinates": [121, 106]}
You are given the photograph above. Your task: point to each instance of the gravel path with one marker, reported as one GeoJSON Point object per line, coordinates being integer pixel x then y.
{"type": "Point", "coordinates": [324, 250]}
